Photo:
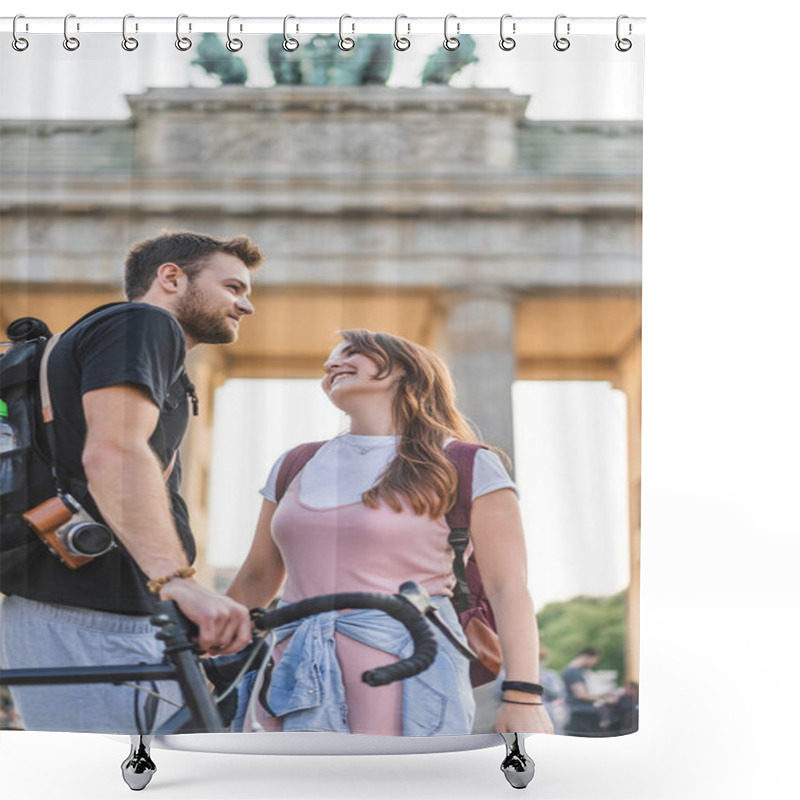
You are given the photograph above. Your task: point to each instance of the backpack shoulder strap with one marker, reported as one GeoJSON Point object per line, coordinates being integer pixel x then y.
{"type": "Point", "coordinates": [462, 456]}
{"type": "Point", "coordinates": [44, 386]}
{"type": "Point", "coordinates": [294, 461]}
{"type": "Point", "coordinates": [44, 383]}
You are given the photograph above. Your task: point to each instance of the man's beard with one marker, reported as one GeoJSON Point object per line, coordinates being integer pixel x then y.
{"type": "Point", "coordinates": [200, 324]}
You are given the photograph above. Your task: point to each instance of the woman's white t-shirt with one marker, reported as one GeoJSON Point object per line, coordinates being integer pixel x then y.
{"type": "Point", "coordinates": [345, 467]}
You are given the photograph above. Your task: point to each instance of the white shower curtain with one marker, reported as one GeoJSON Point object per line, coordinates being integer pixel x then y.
{"type": "Point", "coordinates": [482, 201]}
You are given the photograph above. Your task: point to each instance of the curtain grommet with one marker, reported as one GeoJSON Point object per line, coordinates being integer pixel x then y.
{"type": "Point", "coordinates": [129, 43]}
{"type": "Point", "coordinates": [451, 42]}
{"type": "Point", "coordinates": [401, 43]}
{"type": "Point", "coordinates": [346, 43]}
{"type": "Point", "coordinates": [233, 44]}
{"type": "Point", "coordinates": [19, 43]}
{"type": "Point", "coordinates": [561, 43]}
{"type": "Point", "coordinates": [507, 43]}
{"type": "Point", "coordinates": [623, 44]}
{"type": "Point", "coordinates": [290, 44]}
{"type": "Point", "coordinates": [182, 43]}
{"type": "Point", "coordinates": [70, 43]}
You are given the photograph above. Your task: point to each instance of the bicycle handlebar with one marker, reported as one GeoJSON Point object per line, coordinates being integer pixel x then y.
{"type": "Point", "coordinates": [396, 607]}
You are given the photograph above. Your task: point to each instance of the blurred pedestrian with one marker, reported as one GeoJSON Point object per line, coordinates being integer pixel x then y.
{"type": "Point", "coordinates": [625, 712]}
{"type": "Point", "coordinates": [584, 711]}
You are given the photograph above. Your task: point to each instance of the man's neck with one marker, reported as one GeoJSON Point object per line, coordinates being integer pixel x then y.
{"type": "Point", "coordinates": [152, 299]}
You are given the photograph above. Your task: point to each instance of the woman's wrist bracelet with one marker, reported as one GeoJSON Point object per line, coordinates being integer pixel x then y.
{"type": "Point", "coordinates": [157, 584]}
{"type": "Point", "coordinates": [520, 703]}
{"type": "Point", "coordinates": [523, 686]}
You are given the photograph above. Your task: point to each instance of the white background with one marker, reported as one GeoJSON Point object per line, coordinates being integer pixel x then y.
{"type": "Point", "coordinates": [720, 456]}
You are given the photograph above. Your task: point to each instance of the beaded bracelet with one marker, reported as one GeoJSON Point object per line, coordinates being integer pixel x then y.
{"type": "Point", "coordinates": [157, 584]}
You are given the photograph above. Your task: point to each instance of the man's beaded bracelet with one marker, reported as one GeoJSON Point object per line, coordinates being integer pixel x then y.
{"type": "Point", "coordinates": [157, 584]}
{"type": "Point", "coordinates": [523, 686]}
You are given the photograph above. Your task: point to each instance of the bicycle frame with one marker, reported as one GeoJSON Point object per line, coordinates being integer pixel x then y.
{"type": "Point", "coordinates": [200, 714]}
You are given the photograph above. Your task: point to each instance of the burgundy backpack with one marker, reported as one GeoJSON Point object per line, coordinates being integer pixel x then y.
{"type": "Point", "coordinates": [474, 611]}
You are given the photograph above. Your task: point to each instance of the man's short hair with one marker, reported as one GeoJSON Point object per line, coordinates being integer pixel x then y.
{"type": "Point", "coordinates": [188, 250]}
{"type": "Point", "coordinates": [589, 651]}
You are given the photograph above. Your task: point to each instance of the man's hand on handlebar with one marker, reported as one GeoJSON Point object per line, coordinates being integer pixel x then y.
{"type": "Point", "coordinates": [224, 625]}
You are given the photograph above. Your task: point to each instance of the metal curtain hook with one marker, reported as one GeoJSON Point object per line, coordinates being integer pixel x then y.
{"type": "Point", "coordinates": [506, 42]}
{"type": "Point", "coordinates": [401, 43]}
{"type": "Point", "coordinates": [290, 44]}
{"type": "Point", "coordinates": [19, 43]}
{"type": "Point", "coordinates": [345, 42]}
{"type": "Point", "coordinates": [451, 42]}
{"type": "Point", "coordinates": [623, 45]}
{"type": "Point", "coordinates": [561, 43]}
{"type": "Point", "coordinates": [183, 43]}
{"type": "Point", "coordinates": [71, 43]}
{"type": "Point", "coordinates": [128, 42]}
{"type": "Point", "coordinates": [233, 44]}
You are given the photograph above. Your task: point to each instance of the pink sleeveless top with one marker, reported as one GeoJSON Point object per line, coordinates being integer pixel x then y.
{"type": "Point", "coordinates": [353, 548]}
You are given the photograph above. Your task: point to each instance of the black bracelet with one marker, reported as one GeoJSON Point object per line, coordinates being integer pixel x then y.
{"type": "Point", "coordinates": [523, 686]}
{"type": "Point", "coordinates": [520, 703]}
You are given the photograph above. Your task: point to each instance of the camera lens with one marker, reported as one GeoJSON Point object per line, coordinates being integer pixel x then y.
{"type": "Point", "coordinates": [88, 539]}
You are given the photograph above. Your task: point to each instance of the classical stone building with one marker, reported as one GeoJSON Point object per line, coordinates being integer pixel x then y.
{"type": "Point", "coordinates": [512, 247]}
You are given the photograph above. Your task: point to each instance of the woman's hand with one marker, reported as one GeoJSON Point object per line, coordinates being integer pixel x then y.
{"type": "Point", "coordinates": [514, 718]}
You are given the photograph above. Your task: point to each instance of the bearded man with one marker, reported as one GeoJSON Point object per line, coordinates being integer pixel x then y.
{"type": "Point", "coordinates": [121, 398]}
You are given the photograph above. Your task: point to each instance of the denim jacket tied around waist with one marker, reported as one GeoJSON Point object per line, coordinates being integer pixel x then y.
{"type": "Point", "coordinates": [306, 688]}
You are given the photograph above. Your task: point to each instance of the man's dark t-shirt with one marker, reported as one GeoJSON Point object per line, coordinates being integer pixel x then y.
{"type": "Point", "coordinates": [126, 343]}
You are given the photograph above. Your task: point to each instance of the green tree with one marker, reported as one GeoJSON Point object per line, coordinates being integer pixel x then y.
{"type": "Point", "coordinates": [565, 628]}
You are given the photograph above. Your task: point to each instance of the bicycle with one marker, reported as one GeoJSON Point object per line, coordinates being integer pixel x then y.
{"type": "Point", "coordinates": [412, 607]}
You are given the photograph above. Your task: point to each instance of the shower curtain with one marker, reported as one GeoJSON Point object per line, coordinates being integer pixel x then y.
{"type": "Point", "coordinates": [433, 205]}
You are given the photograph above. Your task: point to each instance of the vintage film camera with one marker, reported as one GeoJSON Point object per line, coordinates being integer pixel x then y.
{"type": "Point", "coordinates": [68, 531]}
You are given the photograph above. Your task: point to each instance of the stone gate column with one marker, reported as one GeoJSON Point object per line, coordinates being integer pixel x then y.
{"type": "Point", "coordinates": [476, 339]}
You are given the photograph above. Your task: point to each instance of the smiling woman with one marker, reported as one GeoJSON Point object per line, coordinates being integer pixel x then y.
{"type": "Point", "coordinates": [365, 512]}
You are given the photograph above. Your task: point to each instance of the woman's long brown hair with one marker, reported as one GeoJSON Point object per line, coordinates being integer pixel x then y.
{"type": "Point", "coordinates": [425, 414]}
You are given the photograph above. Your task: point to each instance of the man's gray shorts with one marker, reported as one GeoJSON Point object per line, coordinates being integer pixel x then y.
{"type": "Point", "coordinates": [34, 634]}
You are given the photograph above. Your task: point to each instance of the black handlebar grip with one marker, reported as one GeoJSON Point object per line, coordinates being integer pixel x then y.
{"type": "Point", "coordinates": [168, 612]}
{"type": "Point", "coordinates": [418, 661]}
{"type": "Point", "coordinates": [401, 610]}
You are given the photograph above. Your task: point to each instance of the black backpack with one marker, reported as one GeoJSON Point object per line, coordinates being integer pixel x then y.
{"type": "Point", "coordinates": [27, 475]}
